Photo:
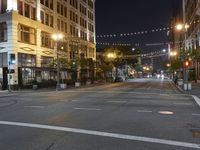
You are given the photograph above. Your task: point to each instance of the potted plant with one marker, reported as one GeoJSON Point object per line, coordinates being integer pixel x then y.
{"type": "Point", "coordinates": [88, 82]}
{"type": "Point", "coordinates": [34, 85]}
{"type": "Point", "coordinates": [77, 83]}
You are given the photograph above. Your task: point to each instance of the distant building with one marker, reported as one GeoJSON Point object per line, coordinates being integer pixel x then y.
{"type": "Point", "coordinates": [26, 46]}
{"type": "Point", "coordinates": [191, 17]}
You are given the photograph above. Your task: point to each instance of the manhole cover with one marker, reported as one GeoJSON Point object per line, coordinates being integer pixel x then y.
{"type": "Point", "coordinates": [195, 133]}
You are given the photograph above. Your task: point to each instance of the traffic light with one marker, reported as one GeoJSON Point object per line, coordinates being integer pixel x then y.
{"type": "Point", "coordinates": [186, 64]}
{"type": "Point", "coordinates": [12, 59]}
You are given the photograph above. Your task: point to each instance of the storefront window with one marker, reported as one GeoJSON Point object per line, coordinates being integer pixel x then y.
{"type": "Point", "coordinates": [26, 60]}
{"type": "Point", "coordinates": [28, 75]}
{"type": "Point", "coordinates": [47, 61]}
{"type": "Point", "coordinates": [3, 60]}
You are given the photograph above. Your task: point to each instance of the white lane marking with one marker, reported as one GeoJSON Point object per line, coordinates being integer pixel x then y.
{"type": "Point", "coordinates": [166, 112]}
{"type": "Point", "coordinates": [117, 101]}
{"type": "Point", "coordinates": [196, 99]}
{"type": "Point", "coordinates": [123, 92]}
{"type": "Point", "coordinates": [104, 134]}
{"type": "Point", "coordinates": [76, 100]}
{"type": "Point", "coordinates": [96, 109]}
{"type": "Point", "coordinates": [34, 107]}
{"type": "Point", "coordinates": [195, 114]}
{"type": "Point", "coordinates": [186, 104]}
{"type": "Point", "coordinates": [64, 100]}
{"type": "Point", "coordinates": [144, 111]}
{"type": "Point", "coordinates": [164, 94]}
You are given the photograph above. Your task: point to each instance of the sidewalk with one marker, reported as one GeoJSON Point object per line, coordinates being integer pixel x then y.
{"type": "Point", "coordinates": [6, 93]}
{"type": "Point", "coordinates": [194, 92]}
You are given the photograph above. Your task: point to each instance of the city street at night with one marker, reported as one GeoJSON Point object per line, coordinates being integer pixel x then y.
{"type": "Point", "coordinates": [139, 114]}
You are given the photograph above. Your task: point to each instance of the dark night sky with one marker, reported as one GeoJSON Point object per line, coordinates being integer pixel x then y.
{"type": "Point", "coordinates": [117, 16]}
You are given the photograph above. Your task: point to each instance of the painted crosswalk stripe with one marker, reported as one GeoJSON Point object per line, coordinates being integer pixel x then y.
{"type": "Point", "coordinates": [117, 101]}
{"type": "Point", "coordinates": [34, 107]}
{"type": "Point", "coordinates": [195, 114]}
{"type": "Point", "coordinates": [96, 109]}
{"type": "Point", "coordinates": [104, 134]}
{"type": "Point", "coordinates": [144, 111]}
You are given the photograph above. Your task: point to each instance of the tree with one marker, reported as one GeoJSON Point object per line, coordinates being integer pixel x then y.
{"type": "Point", "coordinates": [114, 56]}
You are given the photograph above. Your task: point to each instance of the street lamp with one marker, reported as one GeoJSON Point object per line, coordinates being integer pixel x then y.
{"type": "Point", "coordinates": [111, 55]}
{"type": "Point", "coordinates": [182, 27]}
{"type": "Point", "coordinates": [57, 38]}
{"type": "Point", "coordinates": [173, 53]}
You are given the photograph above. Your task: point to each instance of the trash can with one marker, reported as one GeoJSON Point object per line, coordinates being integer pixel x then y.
{"type": "Point", "coordinates": [189, 86]}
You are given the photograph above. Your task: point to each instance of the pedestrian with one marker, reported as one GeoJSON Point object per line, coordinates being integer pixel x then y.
{"type": "Point", "coordinates": [175, 80]}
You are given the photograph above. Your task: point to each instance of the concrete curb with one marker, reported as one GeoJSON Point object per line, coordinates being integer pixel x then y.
{"type": "Point", "coordinates": [197, 100]}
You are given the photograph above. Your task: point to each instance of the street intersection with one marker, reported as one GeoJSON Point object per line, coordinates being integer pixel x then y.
{"type": "Point", "coordinates": [140, 114]}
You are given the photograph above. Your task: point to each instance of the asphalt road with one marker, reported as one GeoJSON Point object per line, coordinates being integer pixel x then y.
{"type": "Point", "coordinates": [143, 114]}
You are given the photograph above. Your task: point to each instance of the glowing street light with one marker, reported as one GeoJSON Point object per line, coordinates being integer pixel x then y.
{"type": "Point", "coordinates": [57, 37]}
{"type": "Point", "coordinates": [111, 55]}
{"type": "Point", "coordinates": [173, 53]}
{"type": "Point", "coordinates": [168, 65]}
{"type": "Point", "coordinates": [179, 27]}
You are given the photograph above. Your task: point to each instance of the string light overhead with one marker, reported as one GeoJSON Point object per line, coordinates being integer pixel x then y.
{"type": "Point", "coordinates": [155, 30]}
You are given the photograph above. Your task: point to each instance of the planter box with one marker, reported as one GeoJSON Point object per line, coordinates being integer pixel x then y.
{"type": "Point", "coordinates": [88, 82]}
{"type": "Point", "coordinates": [77, 84]}
{"type": "Point", "coordinates": [187, 86]}
{"type": "Point", "coordinates": [35, 87]}
{"type": "Point", "coordinates": [63, 86]}
{"type": "Point", "coordinates": [180, 82]}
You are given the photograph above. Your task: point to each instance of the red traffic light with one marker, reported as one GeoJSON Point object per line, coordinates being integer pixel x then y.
{"type": "Point", "coordinates": [186, 64]}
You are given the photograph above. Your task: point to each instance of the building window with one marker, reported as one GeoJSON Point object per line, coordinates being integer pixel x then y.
{"type": "Point", "coordinates": [42, 17]}
{"type": "Point", "coordinates": [33, 13]}
{"type": "Point", "coordinates": [65, 12]}
{"type": "Point", "coordinates": [3, 32]}
{"type": "Point", "coordinates": [27, 10]}
{"type": "Point", "coordinates": [51, 21]}
{"type": "Point", "coordinates": [58, 7]}
{"type": "Point", "coordinates": [51, 4]}
{"type": "Point", "coordinates": [3, 60]}
{"type": "Point", "coordinates": [26, 34]}
{"type": "Point", "coordinates": [42, 2]}
{"type": "Point", "coordinates": [58, 24]}
{"type": "Point", "coordinates": [26, 60]}
{"type": "Point", "coordinates": [47, 19]}
{"type": "Point", "coordinates": [65, 27]}
{"type": "Point", "coordinates": [3, 6]}
{"type": "Point", "coordinates": [46, 61]}
{"type": "Point", "coordinates": [20, 7]}
{"type": "Point", "coordinates": [46, 40]}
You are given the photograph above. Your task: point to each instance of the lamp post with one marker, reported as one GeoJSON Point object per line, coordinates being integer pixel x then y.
{"type": "Point", "coordinates": [57, 38]}
{"type": "Point", "coordinates": [183, 28]}
{"type": "Point", "coordinates": [112, 56]}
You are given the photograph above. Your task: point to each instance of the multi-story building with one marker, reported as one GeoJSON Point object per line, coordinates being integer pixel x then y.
{"type": "Point", "coordinates": [26, 45]}
{"type": "Point", "coordinates": [191, 17]}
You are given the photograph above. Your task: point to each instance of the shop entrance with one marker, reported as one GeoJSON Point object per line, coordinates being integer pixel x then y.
{"type": "Point", "coordinates": [3, 78]}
